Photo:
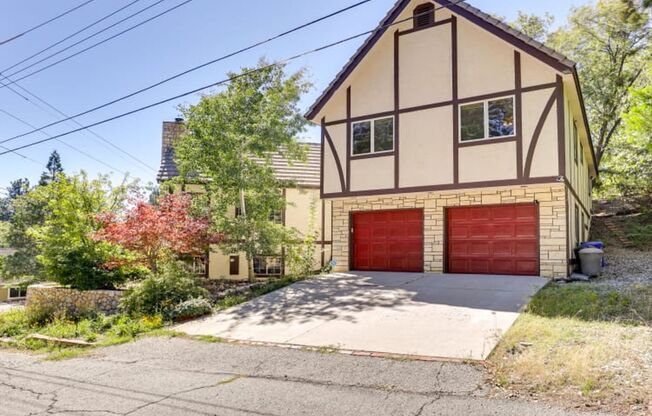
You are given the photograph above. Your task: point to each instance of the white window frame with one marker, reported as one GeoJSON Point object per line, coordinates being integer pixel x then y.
{"type": "Point", "coordinates": [372, 147]}
{"type": "Point", "coordinates": [485, 105]}
{"type": "Point", "coordinates": [9, 297]}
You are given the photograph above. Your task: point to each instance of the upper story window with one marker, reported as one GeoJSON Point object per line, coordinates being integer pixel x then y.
{"type": "Point", "coordinates": [489, 119]}
{"type": "Point", "coordinates": [373, 136]}
{"type": "Point", "coordinates": [424, 15]}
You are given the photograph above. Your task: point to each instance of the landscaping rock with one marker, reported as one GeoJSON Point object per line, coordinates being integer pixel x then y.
{"type": "Point", "coordinates": [57, 300]}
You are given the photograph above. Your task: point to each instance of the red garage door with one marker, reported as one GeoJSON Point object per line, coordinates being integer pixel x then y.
{"type": "Point", "coordinates": [500, 239]}
{"type": "Point", "coordinates": [387, 240]}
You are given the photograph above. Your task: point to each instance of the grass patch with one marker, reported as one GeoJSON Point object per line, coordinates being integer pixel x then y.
{"type": "Point", "coordinates": [101, 330]}
{"type": "Point", "coordinates": [639, 230]}
{"type": "Point", "coordinates": [632, 305]}
{"type": "Point", "coordinates": [581, 343]}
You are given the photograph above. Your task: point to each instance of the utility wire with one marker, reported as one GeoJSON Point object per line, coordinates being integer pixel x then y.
{"type": "Point", "coordinates": [224, 81]}
{"type": "Point", "coordinates": [23, 33]}
{"type": "Point", "coordinates": [92, 132]}
{"type": "Point", "coordinates": [70, 36]}
{"type": "Point", "coordinates": [95, 44]}
{"type": "Point", "coordinates": [205, 64]}
{"type": "Point", "coordinates": [49, 137]}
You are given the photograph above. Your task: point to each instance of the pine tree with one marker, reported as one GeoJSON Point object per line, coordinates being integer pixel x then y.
{"type": "Point", "coordinates": [53, 167]}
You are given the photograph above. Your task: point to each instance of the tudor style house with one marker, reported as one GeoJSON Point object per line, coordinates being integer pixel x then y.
{"type": "Point", "coordinates": [454, 143]}
{"type": "Point", "coordinates": [301, 201]}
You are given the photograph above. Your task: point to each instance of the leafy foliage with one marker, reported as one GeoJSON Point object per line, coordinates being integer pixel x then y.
{"type": "Point", "coordinates": [609, 40]}
{"type": "Point", "coordinates": [300, 254]}
{"type": "Point", "coordinates": [67, 252]}
{"type": "Point", "coordinates": [192, 308]}
{"type": "Point", "coordinates": [230, 139]}
{"type": "Point", "coordinates": [16, 188]}
{"type": "Point", "coordinates": [163, 291]}
{"type": "Point", "coordinates": [536, 27]}
{"type": "Point", "coordinates": [157, 233]}
{"type": "Point", "coordinates": [53, 169]}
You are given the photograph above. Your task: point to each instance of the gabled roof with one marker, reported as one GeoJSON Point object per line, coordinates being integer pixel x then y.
{"type": "Point", "coordinates": [493, 25]}
{"type": "Point", "coordinates": [303, 174]}
{"type": "Point", "coordinates": [482, 19]}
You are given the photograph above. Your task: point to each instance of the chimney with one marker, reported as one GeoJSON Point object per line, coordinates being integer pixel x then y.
{"type": "Point", "coordinates": [172, 131]}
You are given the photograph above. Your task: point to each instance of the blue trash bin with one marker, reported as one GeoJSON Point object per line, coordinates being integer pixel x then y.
{"type": "Point", "coordinates": [594, 244]}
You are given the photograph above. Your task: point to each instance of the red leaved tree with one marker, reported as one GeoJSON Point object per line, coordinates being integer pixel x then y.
{"type": "Point", "coordinates": [158, 232]}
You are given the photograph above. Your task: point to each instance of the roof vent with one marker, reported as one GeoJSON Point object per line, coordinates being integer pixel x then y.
{"type": "Point", "coordinates": [424, 15]}
{"type": "Point", "coordinates": [178, 120]}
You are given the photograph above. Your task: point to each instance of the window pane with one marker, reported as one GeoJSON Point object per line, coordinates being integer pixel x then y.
{"type": "Point", "coordinates": [501, 117]}
{"type": "Point", "coordinates": [472, 121]}
{"type": "Point", "coordinates": [384, 135]}
{"type": "Point", "coordinates": [361, 138]}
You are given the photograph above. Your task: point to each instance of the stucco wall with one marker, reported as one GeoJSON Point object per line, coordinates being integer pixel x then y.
{"type": "Point", "coordinates": [552, 220]}
{"type": "Point", "coordinates": [486, 65]}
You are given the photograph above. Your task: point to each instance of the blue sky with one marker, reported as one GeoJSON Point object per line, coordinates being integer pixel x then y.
{"type": "Point", "coordinates": [190, 35]}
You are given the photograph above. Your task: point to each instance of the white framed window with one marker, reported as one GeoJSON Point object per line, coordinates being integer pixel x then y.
{"type": "Point", "coordinates": [268, 266]}
{"type": "Point", "coordinates": [372, 136]}
{"type": "Point", "coordinates": [17, 292]}
{"type": "Point", "coordinates": [487, 119]}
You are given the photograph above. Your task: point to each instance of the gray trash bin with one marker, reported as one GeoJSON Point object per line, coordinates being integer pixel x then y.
{"type": "Point", "coordinates": [591, 261]}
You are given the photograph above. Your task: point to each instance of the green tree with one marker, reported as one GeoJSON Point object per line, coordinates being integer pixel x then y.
{"type": "Point", "coordinates": [67, 251]}
{"type": "Point", "coordinates": [609, 40]}
{"type": "Point", "coordinates": [536, 27]}
{"type": "Point", "coordinates": [230, 139]}
{"type": "Point", "coordinates": [16, 188]}
{"type": "Point", "coordinates": [53, 169]}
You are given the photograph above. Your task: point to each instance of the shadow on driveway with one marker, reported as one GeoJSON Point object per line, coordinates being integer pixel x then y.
{"type": "Point", "coordinates": [456, 316]}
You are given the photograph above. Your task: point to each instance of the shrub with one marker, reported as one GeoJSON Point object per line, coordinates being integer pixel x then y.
{"type": "Point", "coordinates": [160, 293]}
{"type": "Point", "coordinates": [192, 308]}
{"type": "Point", "coordinates": [13, 322]}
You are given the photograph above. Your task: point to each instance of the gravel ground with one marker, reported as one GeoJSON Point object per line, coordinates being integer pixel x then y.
{"type": "Point", "coordinates": [626, 267]}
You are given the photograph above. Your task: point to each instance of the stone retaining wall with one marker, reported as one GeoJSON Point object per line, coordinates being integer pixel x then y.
{"type": "Point", "coordinates": [72, 302]}
{"type": "Point", "coordinates": [551, 198]}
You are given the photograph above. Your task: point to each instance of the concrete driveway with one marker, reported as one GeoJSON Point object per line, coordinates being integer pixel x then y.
{"type": "Point", "coordinates": [447, 316]}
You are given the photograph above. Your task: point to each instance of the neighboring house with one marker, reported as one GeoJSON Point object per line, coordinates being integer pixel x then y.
{"type": "Point", "coordinates": [8, 292]}
{"type": "Point", "coordinates": [305, 176]}
{"type": "Point", "coordinates": [454, 143]}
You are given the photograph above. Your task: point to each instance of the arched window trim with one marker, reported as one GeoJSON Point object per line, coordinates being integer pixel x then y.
{"type": "Point", "coordinates": [424, 15]}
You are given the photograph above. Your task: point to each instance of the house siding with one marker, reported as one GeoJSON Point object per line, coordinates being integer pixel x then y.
{"type": "Point", "coordinates": [551, 199]}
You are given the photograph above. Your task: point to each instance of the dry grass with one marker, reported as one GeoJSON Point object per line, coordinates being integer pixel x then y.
{"type": "Point", "coordinates": [583, 363]}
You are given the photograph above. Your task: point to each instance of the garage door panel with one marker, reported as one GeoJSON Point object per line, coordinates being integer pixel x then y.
{"type": "Point", "coordinates": [501, 239]}
{"type": "Point", "coordinates": [387, 240]}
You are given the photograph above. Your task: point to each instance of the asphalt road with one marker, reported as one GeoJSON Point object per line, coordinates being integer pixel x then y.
{"type": "Point", "coordinates": [174, 376]}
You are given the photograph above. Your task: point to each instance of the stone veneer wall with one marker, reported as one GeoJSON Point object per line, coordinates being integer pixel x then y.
{"type": "Point", "coordinates": [72, 302]}
{"type": "Point", "coordinates": [552, 220]}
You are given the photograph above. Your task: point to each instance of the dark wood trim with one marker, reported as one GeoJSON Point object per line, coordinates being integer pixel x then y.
{"type": "Point", "coordinates": [576, 196]}
{"type": "Point", "coordinates": [323, 231]}
{"type": "Point", "coordinates": [455, 100]}
{"type": "Point", "coordinates": [442, 104]}
{"type": "Point", "coordinates": [396, 108]}
{"type": "Point", "coordinates": [506, 36]}
{"type": "Point", "coordinates": [482, 142]}
{"type": "Point", "coordinates": [561, 130]}
{"type": "Point", "coordinates": [445, 250]}
{"type": "Point", "coordinates": [373, 155]}
{"type": "Point", "coordinates": [395, 12]}
{"type": "Point", "coordinates": [348, 139]}
{"type": "Point", "coordinates": [285, 205]}
{"type": "Point", "coordinates": [537, 133]}
{"type": "Point", "coordinates": [445, 187]}
{"type": "Point", "coordinates": [518, 113]}
{"type": "Point", "coordinates": [321, 157]}
{"type": "Point", "coordinates": [338, 164]}
{"type": "Point", "coordinates": [431, 25]}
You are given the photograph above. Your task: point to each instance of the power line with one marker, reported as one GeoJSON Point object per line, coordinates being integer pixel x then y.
{"type": "Point", "coordinates": [205, 64]}
{"type": "Point", "coordinates": [92, 132]}
{"type": "Point", "coordinates": [71, 35]}
{"type": "Point", "coordinates": [225, 81]}
{"type": "Point", "coordinates": [95, 44]}
{"type": "Point", "coordinates": [23, 33]}
{"type": "Point", "coordinates": [49, 137]}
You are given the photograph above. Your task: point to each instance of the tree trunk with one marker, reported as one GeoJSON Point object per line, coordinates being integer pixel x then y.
{"type": "Point", "coordinates": [250, 256]}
